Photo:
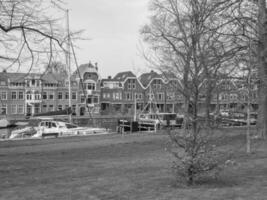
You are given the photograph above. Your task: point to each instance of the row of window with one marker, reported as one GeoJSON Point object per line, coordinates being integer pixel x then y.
{"type": "Point", "coordinates": [89, 86]}
{"type": "Point", "coordinates": [114, 95]}
{"type": "Point", "coordinates": [112, 85]}
{"type": "Point", "coordinates": [90, 99]}
{"type": "Point", "coordinates": [138, 96]}
{"type": "Point", "coordinates": [29, 96]}
{"type": "Point", "coordinates": [15, 109]}
{"type": "Point", "coordinates": [60, 95]}
{"type": "Point", "coordinates": [131, 84]}
{"type": "Point", "coordinates": [35, 83]}
{"type": "Point", "coordinates": [14, 95]}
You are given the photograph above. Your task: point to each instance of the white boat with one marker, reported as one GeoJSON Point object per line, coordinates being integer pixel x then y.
{"type": "Point", "coordinates": [25, 132]}
{"type": "Point", "coordinates": [47, 128]}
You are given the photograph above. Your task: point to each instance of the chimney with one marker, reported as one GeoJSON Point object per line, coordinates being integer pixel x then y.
{"type": "Point", "coordinates": [109, 77]}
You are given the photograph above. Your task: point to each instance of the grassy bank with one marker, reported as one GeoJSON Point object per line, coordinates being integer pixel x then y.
{"type": "Point", "coordinates": [116, 167]}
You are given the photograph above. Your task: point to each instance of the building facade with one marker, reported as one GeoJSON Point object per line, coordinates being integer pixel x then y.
{"type": "Point", "coordinates": [28, 94]}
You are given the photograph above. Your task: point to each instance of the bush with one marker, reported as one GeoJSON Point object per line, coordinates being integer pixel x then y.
{"type": "Point", "coordinates": [195, 154]}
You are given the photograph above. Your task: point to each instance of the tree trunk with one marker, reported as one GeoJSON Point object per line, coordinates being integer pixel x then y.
{"type": "Point", "coordinates": [262, 68]}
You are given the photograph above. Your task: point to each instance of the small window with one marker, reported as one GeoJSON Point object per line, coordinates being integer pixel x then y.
{"type": "Point", "coordinates": [53, 125]}
{"type": "Point", "coordinates": [66, 95]}
{"type": "Point", "coordinates": [73, 95]}
{"type": "Point", "coordinates": [51, 96]}
{"type": "Point", "coordinates": [21, 95]}
{"type": "Point", "coordinates": [60, 95]}
{"type": "Point", "coordinates": [59, 107]}
{"type": "Point", "coordinates": [44, 95]}
{"type": "Point", "coordinates": [13, 109]}
{"type": "Point", "coordinates": [4, 95]}
{"type": "Point", "coordinates": [13, 95]}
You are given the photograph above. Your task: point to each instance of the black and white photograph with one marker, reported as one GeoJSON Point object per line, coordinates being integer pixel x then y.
{"type": "Point", "coordinates": [133, 100]}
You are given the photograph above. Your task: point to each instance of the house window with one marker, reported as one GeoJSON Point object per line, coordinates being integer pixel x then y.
{"type": "Point", "coordinates": [157, 84]}
{"type": "Point", "coordinates": [51, 107]}
{"type": "Point", "coordinates": [73, 108]}
{"type": "Point", "coordinates": [59, 107]}
{"type": "Point", "coordinates": [13, 109]}
{"type": "Point", "coordinates": [128, 96]}
{"type": "Point", "coordinates": [20, 109]}
{"type": "Point", "coordinates": [51, 96]}
{"type": "Point", "coordinates": [73, 95]}
{"type": "Point", "coordinates": [138, 96]}
{"type": "Point", "coordinates": [44, 108]}
{"type": "Point", "coordinates": [82, 99]}
{"type": "Point", "coordinates": [116, 95]}
{"type": "Point", "coordinates": [2, 83]}
{"type": "Point", "coordinates": [59, 95]}
{"type": "Point", "coordinates": [21, 95]}
{"type": "Point", "coordinates": [132, 84]}
{"type": "Point", "coordinates": [3, 109]}
{"type": "Point", "coordinates": [13, 95]}
{"type": "Point", "coordinates": [44, 95]}
{"type": "Point", "coordinates": [90, 86]}
{"type": "Point", "coordinates": [4, 95]}
{"type": "Point", "coordinates": [89, 100]}
{"type": "Point", "coordinates": [67, 95]}
{"type": "Point", "coordinates": [160, 96]}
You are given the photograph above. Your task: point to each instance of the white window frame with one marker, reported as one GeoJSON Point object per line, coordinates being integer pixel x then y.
{"type": "Point", "coordinates": [11, 109]}
{"type": "Point", "coordinates": [20, 109]}
{"type": "Point", "coordinates": [15, 95]}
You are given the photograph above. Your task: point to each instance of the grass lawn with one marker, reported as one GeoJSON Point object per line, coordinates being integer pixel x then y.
{"type": "Point", "coordinates": [119, 167]}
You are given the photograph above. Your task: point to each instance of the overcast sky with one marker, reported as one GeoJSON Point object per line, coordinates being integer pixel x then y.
{"type": "Point", "coordinates": [113, 28]}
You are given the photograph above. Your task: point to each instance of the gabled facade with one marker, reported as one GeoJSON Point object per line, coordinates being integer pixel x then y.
{"type": "Point", "coordinates": [125, 93]}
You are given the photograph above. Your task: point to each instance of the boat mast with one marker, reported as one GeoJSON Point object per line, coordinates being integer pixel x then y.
{"type": "Point", "coordinates": [68, 59]}
{"type": "Point", "coordinates": [150, 100]}
{"type": "Point", "coordinates": [135, 107]}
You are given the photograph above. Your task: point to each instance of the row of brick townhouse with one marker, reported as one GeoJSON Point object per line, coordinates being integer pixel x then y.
{"type": "Point", "coordinates": [119, 94]}
{"type": "Point", "coordinates": [31, 93]}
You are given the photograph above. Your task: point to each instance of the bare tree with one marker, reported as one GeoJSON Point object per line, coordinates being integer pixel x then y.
{"type": "Point", "coordinates": [30, 33]}
{"type": "Point", "coordinates": [198, 41]}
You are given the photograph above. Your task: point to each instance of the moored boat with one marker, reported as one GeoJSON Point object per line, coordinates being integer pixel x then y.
{"type": "Point", "coordinates": [50, 127]}
{"type": "Point", "coordinates": [25, 132]}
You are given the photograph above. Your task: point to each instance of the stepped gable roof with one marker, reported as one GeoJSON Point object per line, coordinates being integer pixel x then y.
{"type": "Point", "coordinates": [122, 76]}
{"type": "Point", "coordinates": [147, 77]}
